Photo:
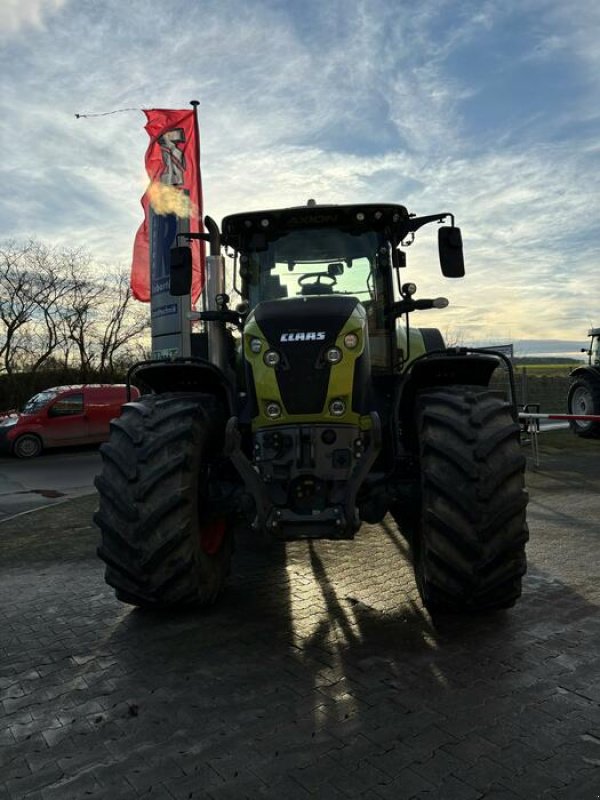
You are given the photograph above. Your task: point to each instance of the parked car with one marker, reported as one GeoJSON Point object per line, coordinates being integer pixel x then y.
{"type": "Point", "coordinates": [61, 416]}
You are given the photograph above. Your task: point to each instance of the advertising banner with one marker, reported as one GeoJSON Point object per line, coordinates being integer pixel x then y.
{"type": "Point", "coordinates": [172, 204]}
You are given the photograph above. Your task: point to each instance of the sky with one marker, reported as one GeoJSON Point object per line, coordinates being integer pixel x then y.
{"type": "Point", "coordinates": [487, 109]}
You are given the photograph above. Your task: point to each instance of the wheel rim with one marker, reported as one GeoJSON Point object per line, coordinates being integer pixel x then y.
{"type": "Point", "coordinates": [581, 403]}
{"type": "Point", "coordinates": [212, 535]}
{"type": "Point", "coordinates": [27, 447]}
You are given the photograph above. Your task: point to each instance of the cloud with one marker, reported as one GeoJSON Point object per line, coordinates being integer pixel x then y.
{"type": "Point", "coordinates": [487, 110]}
{"type": "Point", "coordinates": [16, 15]}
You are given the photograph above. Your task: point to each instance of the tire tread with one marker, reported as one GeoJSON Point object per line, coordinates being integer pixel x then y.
{"type": "Point", "coordinates": [150, 494]}
{"type": "Point", "coordinates": [470, 543]}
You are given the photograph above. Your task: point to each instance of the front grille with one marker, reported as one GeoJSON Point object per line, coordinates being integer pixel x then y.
{"type": "Point", "coordinates": [303, 383]}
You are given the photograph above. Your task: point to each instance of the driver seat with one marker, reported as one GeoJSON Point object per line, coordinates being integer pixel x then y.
{"type": "Point", "coordinates": [316, 288]}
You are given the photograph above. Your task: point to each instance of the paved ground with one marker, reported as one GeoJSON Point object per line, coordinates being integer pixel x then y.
{"type": "Point", "coordinates": [319, 674]}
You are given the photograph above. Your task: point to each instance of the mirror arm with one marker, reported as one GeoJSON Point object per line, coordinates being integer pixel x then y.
{"type": "Point", "coordinates": [213, 237]}
{"type": "Point", "coordinates": [204, 236]}
{"type": "Point", "coordinates": [417, 222]}
{"type": "Point", "coordinates": [232, 317]}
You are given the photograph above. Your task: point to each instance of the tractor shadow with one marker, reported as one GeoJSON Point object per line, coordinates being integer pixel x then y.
{"type": "Point", "coordinates": [320, 656]}
{"type": "Point", "coordinates": [326, 610]}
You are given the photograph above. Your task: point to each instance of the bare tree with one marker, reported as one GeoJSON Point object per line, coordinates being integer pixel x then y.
{"type": "Point", "coordinates": [54, 284]}
{"type": "Point", "coordinates": [103, 322]}
{"type": "Point", "coordinates": [32, 286]}
{"type": "Point", "coordinates": [80, 316]}
{"type": "Point", "coordinates": [454, 337]}
{"type": "Point", "coordinates": [57, 306]}
{"type": "Point", "coordinates": [123, 322]}
{"type": "Point", "coordinates": [17, 304]}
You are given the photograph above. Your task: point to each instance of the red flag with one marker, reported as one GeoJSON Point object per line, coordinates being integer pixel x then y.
{"type": "Point", "coordinates": [173, 167]}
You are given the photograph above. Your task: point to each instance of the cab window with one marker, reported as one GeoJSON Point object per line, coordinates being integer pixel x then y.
{"type": "Point", "coordinates": [314, 261]}
{"type": "Point", "coordinates": [327, 261]}
{"type": "Point", "coordinates": [67, 406]}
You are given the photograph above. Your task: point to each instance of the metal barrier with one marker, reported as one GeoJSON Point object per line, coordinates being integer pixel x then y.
{"type": "Point", "coordinates": [530, 424]}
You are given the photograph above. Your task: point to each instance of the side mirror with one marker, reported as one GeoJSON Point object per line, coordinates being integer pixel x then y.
{"type": "Point", "coordinates": [450, 247]}
{"type": "Point", "coordinates": [180, 271]}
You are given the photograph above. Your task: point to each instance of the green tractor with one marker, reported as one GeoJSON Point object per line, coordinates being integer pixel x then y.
{"type": "Point", "coordinates": [311, 407]}
{"type": "Point", "coordinates": [584, 391]}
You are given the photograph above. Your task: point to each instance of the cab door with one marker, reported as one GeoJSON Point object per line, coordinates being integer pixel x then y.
{"type": "Point", "coordinates": [66, 421]}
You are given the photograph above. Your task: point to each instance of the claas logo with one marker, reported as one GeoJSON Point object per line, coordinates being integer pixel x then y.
{"type": "Point", "coordinates": [303, 336]}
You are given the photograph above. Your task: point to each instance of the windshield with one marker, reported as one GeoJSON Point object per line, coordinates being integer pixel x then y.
{"type": "Point", "coordinates": [39, 401]}
{"type": "Point", "coordinates": [314, 261]}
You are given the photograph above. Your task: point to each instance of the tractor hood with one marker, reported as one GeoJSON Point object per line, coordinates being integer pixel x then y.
{"type": "Point", "coordinates": [309, 363]}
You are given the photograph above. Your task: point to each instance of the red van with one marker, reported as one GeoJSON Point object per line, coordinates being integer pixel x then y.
{"type": "Point", "coordinates": [63, 415]}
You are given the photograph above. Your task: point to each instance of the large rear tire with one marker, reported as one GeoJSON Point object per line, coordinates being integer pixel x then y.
{"type": "Point", "coordinates": [163, 541]}
{"type": "Point", "coordinates": [469, 546]}
{"type": "Point", "coordinates": [584, 398]}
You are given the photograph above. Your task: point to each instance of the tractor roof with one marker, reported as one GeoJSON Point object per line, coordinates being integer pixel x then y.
{"type": "Point", "coordinates": [594, 332]}
{"type": "Point", "coordinates": [237, 228]}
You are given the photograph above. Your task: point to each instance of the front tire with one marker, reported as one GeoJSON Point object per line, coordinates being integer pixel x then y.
{"type": "Point", "coordinates": [27, 446]}
{"type": "Point", "coordinates": [163, 540]}
{"type": "Point", "coordinates": [584, 398]}
{"type": "Point", "coordinates": [469, 547]}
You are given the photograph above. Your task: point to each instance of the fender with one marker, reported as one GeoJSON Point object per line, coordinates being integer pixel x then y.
{"type": "Point", "coordinates": [183, 375]}
{"type": "Point", "coordinates": [452, 367]}
{"type": "Point", "coordinates": [586, 371]}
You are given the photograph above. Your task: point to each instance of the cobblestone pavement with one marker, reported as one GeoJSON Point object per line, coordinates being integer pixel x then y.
{"type": "Point", "coordinates": [318, 674]}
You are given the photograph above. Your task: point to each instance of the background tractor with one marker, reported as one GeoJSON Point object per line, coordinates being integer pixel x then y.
{"type": "Point", "coordinates": [310, 407]}
{"type": "Point", "coordinates": [584, 390]}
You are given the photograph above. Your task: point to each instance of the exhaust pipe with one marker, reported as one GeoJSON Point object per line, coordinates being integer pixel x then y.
{"type": "Point", "coordinates": [214, 286]}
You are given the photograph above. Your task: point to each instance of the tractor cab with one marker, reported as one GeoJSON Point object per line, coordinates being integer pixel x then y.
{"type": "Point", "coordinates": [317, 261]}
{"type": "Point", "coordinates": [594, 351]}
{"type": "Point", "coordinates": [335, 253]}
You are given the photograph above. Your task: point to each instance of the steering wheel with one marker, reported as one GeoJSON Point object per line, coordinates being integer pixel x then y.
{"type": "Point", "coordinates": [303, 280]}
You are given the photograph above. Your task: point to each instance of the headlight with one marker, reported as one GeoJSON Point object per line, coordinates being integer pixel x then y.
{"type": "Point", "coordinates": [273, 410]}
{"type": "Point", "coordinates": [333, 355]}
{"type": "Point", "coordinates": [271, 358]}
{"type": "Point", "coordinates": [6, 423]}
{"type": "Point", "coordinates": [350, 341]}
{"type": "Point", "coordinates": [337, 407]}
{"type": "Point", "coordinates": [255, 345]}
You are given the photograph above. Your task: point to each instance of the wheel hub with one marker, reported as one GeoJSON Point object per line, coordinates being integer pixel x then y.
{"type": "Point", "coordinates": [582, 404]}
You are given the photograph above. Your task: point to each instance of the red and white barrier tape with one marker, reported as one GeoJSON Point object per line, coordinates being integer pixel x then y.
{"type": "Point", "coordinates": [534, 429]}
{"type": "Point", "coordinates": [584, 417]}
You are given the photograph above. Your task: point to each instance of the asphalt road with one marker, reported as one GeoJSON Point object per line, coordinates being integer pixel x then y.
{"type": "Point", "coordinates": [26, 485]}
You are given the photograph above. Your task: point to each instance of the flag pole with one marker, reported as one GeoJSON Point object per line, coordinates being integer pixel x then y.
{"type": "Point", "coordinates": [195, 104]}
{"type": "Point", "coordinates": [201, 245]}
